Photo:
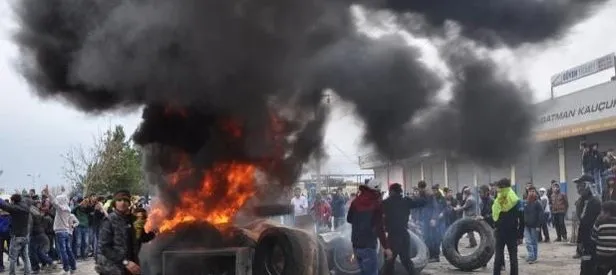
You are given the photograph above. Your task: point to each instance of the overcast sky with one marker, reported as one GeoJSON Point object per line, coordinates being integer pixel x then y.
{"type": "Point", "coordinates": [35, 133]}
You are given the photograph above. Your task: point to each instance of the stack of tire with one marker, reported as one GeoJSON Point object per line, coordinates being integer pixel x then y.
{"type": "Point", "coordinates": [342, 262]}
{"type": "Point", "coordinates": [480, 256]}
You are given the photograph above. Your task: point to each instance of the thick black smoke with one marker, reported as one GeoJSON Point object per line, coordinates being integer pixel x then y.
{"type": "Point", "coordinates": [197, 64]}
{"type": "Point", "coordinates": [509, 22]}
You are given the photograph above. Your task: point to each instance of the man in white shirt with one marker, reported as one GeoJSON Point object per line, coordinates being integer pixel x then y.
{"type": "Point", "coordinates": [300, 208]}
{"type": "Point", "coordinates": [299, 202]}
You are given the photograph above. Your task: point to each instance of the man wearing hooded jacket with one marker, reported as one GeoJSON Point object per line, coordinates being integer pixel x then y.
{"type": "Point", "coordinates": [397, 211]}
{"type": "Point", "coordinates": [366, 218]}
{"type": "Point", "coordinates": [509, 226]}
{"type": "Point", "coordinates": [589, 209]}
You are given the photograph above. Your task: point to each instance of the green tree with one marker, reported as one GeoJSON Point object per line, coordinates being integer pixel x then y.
{"type": "Point", "coordinates": [114, 163]}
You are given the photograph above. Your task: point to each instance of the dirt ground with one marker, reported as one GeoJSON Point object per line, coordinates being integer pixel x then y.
{"type": "Point", "coordinates": [554, 258]}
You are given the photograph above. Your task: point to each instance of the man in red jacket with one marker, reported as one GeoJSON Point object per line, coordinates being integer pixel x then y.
{"type": "Point", "coordinates": [366, 218]}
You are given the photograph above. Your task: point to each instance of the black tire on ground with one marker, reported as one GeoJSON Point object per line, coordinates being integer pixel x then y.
{"type": "Point", "coordinates": [485, 249]}
{"type": "Point", "coordinates": [326, 239]}
{"type": "Point", "coordinates": [343, 259]}
{"type": "Point", "coordinates": [419, 253]}
{"type": "Point", "coordinates": [286, 251]}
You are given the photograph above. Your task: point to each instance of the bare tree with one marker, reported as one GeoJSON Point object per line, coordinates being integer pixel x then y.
{"type": "Point", "coordinates": [79, 164]}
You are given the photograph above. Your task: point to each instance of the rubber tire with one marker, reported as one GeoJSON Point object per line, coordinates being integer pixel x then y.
{"type": "Point", "coordinates": [485, 249]}
{"type": "Point", "coordinates": [291, 249]}
{"type": "Point", "coordinates": [296, 246]}
{"type": "Point", "coordinates": [342, 248]}
{"type": "Point", "coordinates": [419, 253]}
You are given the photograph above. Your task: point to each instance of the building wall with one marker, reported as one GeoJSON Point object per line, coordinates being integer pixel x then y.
{"type": "Point", "coordinates": [544, 157]}
{"type": "Point", "coordinates": [416, 174]}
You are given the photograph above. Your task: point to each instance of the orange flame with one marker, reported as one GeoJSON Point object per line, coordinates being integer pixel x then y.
{"type": "Point", "coordinates": [239, 185]}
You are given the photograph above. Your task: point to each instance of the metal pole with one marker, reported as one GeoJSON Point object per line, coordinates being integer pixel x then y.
{"type": "Point", "coordinates": [445, 172]}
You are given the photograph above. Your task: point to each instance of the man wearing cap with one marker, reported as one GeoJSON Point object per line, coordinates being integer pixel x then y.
{"type": "Point", "coordinates": [118, 255]}
{"type": "Point", "coordinates": [366, 219]}
{"type": "Point", "coordinates": [589, 209]}
{"type": "Point", "coordinates": [397, 211]}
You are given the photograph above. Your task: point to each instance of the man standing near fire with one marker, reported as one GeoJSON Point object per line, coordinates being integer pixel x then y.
{"type": "Point", "coordinates": [117, 240]}
{"type": "Point", "coordinates": [366, 219]}
{"type": "Point", "coordinates": [397, 211]}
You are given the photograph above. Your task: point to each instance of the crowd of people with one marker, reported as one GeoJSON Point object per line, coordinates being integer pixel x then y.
{"type": "Point", "coordinates": [598, 164]}
{"type": "Point", "coordinates": [515, 219]}
{"type": "Point", "coordinates": [40, 230]}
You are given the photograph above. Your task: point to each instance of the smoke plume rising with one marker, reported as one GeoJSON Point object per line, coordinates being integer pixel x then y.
{"type": "Point", "coordinates": [509, 22]}
{"type": "Point", "coordinates": [197, 63]}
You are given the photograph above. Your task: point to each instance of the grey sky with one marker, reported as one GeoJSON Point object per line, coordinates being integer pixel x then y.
{"type": "Point", "coordinates": [34, 132]}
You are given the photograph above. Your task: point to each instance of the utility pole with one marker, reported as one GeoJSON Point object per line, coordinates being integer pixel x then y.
{"type": "Point", "coordinates": [34, 177]}
{"type": "Point", "coordinates": [319, 182]}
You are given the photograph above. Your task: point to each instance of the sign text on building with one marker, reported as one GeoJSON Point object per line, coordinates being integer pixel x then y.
{"type": "Point", "coordinates": [584, 70]}
{"type": "Point", "coordinates": [598, 106]}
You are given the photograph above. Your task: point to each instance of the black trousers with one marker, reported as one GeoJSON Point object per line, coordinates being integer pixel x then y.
{"type": "Point", "coordinates": [588, 267]}
{"type": "Point", "coordinates": [559, 225]}
{"type": "Point", "coordinates": [604, 267]}
{"type": "Point", "coordinates": [499, 254]}
{"type": "Point", "coordinates": [544, 229]}
{"type": "Point", "coordinates": [400, 246]}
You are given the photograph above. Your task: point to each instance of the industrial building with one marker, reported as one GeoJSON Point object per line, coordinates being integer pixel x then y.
{"type": "Point", "coordinates": [562, 123]}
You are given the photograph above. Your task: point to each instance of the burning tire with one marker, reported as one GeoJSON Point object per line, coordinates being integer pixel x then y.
{"type": "Point", "coordinates": [286, 251]}
{"type": "Point", "coordinates": [481, 256]}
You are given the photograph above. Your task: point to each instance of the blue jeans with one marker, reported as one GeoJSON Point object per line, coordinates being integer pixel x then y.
{"type": "Point", "coordinates": [94, 239]}
{"type": "Point", "coordinates": [367, 261]}
{"type": "Point", "coordinates": [19, 247]}
{"type": "Point", "coordinates": [433, 236]}
{"type": "Point", "coordinates": [63, 245]}
{"type": "Point", "coordinates": [81, 241]}
{"type": "Point", "coordinates": [530, 237]}
{"type": "Point", "coordinates": [598, 187]}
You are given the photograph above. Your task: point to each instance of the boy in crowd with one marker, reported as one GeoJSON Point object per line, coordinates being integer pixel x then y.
{"type": "Point", "coordinates": [533, 218]}
{"type": "Point", "coordinates": [560, 205]}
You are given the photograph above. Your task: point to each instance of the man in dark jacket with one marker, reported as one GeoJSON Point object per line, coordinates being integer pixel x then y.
{"type": "Point", "coordinates": [509, 223]}
{"type": "Point", "coordinates": [366, 219]}
{"type": "Point", "coordinates": [39, 242]}
{"type": "Point", "coordinates": [338, 203]}
{"type": "Point", "coordinates": [397, 211]}
{"type": "Point", "coordinates": [20, 229]}
{"type": "Point", "coordinates": [485, 205]}
{"type": "Point", "coordinates": [117, 243]}
{"type": "Point", "coordinates": [450, 202]}
{"type": "Point", "coordinates": [589, 209]}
